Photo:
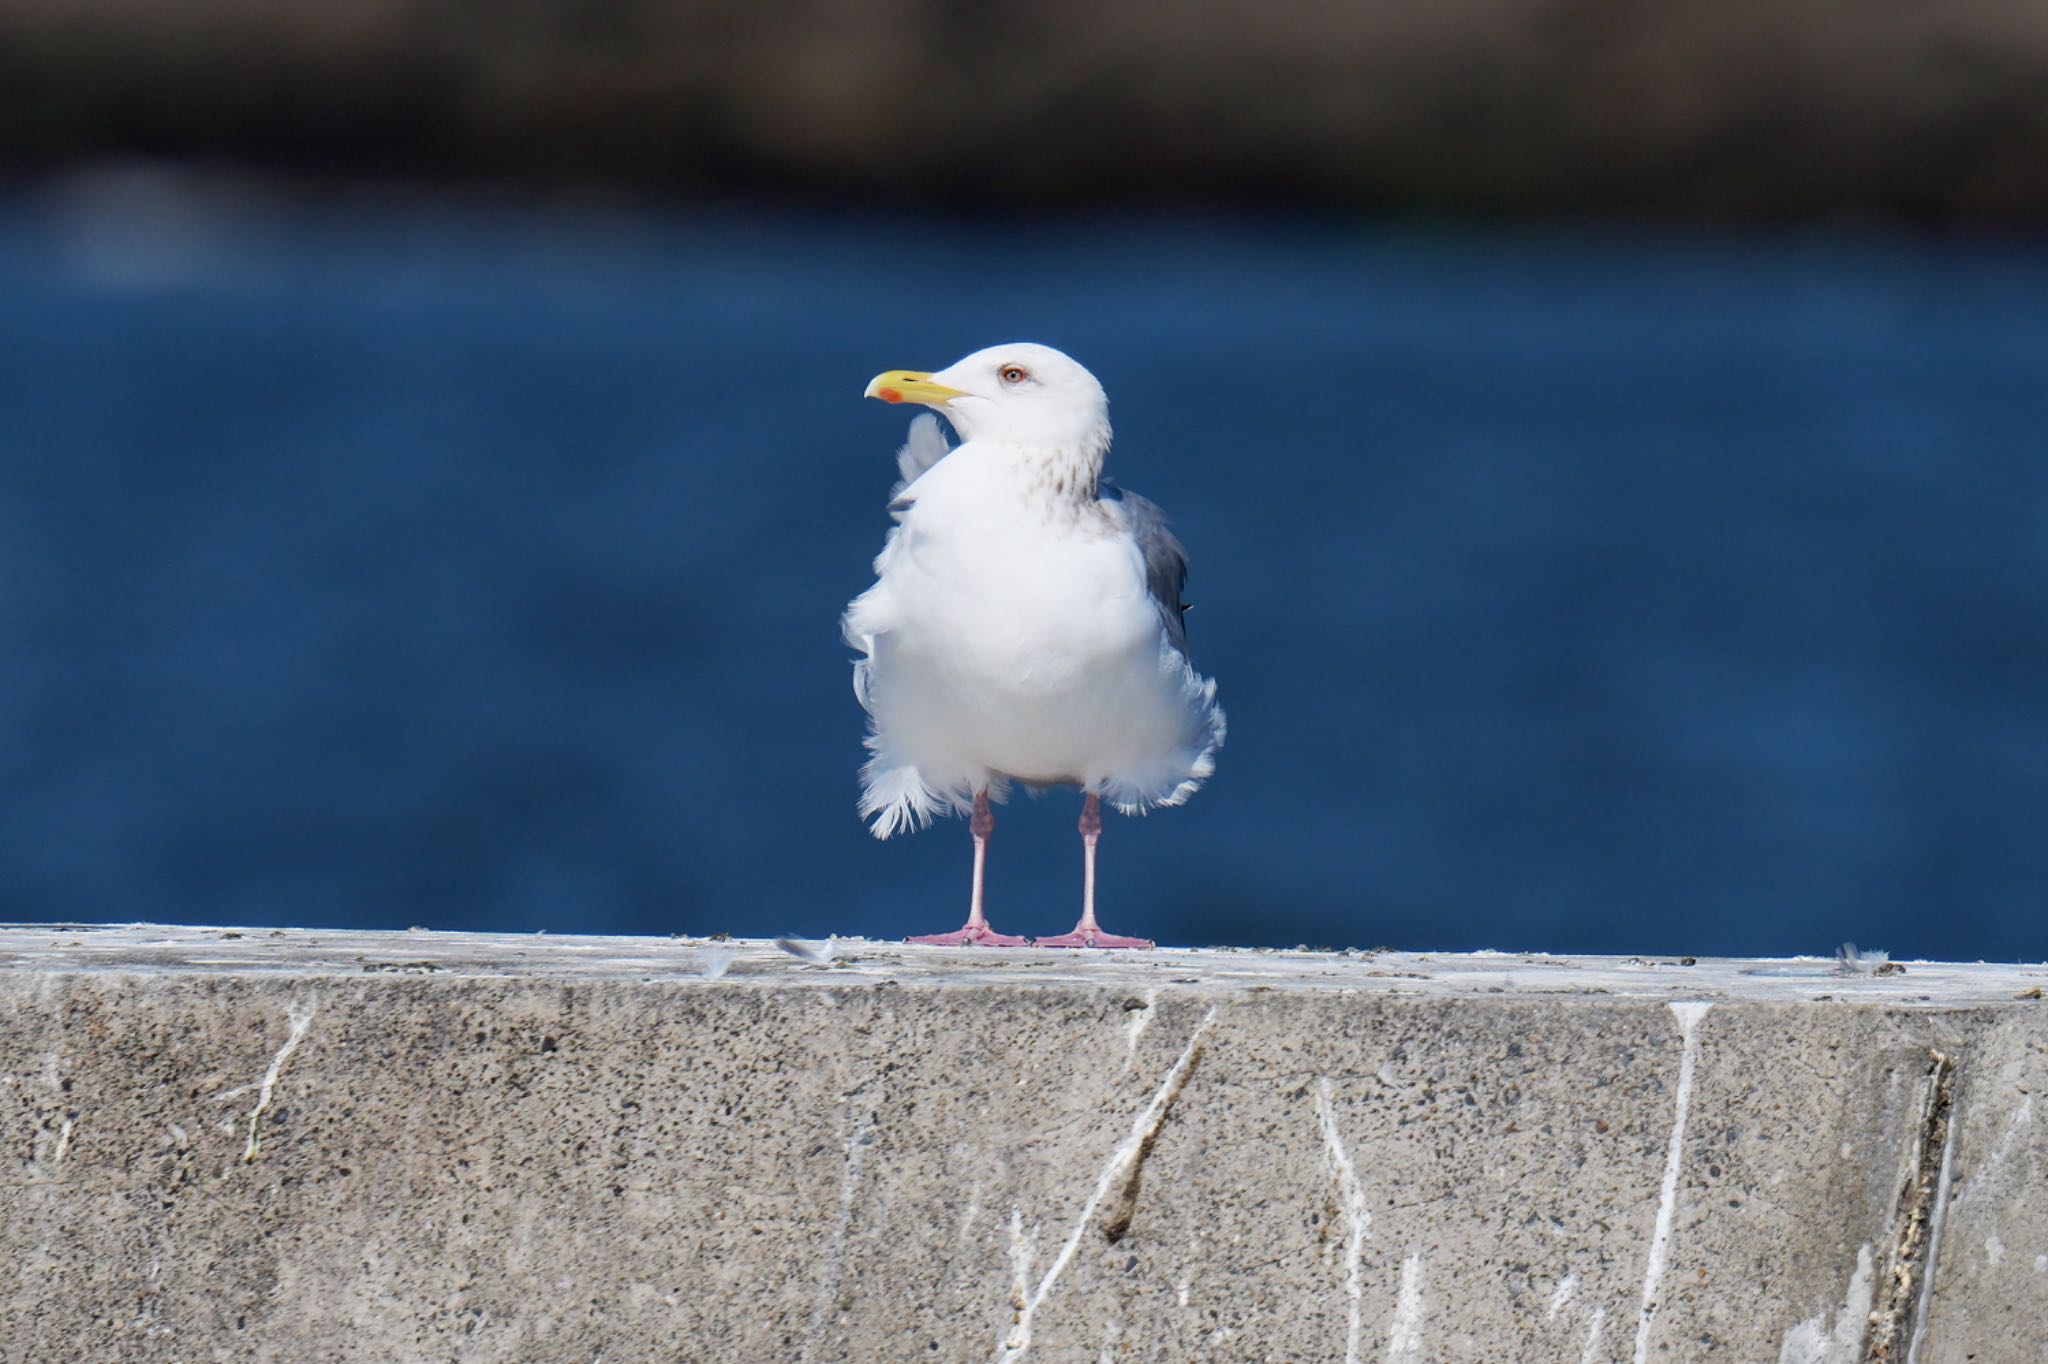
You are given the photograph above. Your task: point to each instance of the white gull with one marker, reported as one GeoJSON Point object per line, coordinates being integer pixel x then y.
{"type": "Point", "coordinates": [1026, 622]}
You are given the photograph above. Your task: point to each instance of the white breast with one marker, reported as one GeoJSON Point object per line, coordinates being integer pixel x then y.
{"type": "Point", "coordinates": [1011, 635]}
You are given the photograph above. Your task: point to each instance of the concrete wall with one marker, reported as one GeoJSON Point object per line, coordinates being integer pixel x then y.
{"type": "Point", "coordinates": [327, 1146]}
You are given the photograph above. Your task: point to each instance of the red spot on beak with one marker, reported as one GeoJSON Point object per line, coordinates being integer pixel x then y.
{"type": "Point", "coordinates": [888, 395]}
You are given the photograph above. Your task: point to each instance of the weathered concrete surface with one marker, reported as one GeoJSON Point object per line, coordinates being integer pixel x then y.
{"type": "Point", "coordinates": [332, 1146]}
{"type": "Point", "coordinates": [1992, 1291]}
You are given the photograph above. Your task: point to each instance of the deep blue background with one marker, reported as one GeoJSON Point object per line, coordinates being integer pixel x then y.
{"type": "Point", "coordinates": [390, 565]}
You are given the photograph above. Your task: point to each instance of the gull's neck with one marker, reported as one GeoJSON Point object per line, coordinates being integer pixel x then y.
{"type": "Point", "coordinates": [1059, 478]}
{"type": "Point", "coordinates": [1058, 483]}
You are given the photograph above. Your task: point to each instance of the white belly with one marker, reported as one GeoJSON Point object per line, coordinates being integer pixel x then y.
{"type": "Point", "coordinates": [1039, 661]}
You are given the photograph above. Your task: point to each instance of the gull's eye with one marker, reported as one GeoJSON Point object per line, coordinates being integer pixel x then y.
{"type": "Point", "coordinates": [1013, 374]}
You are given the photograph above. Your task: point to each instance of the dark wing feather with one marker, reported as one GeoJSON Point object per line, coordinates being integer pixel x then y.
{"type": "Point", "coordinates": [1166, 562]}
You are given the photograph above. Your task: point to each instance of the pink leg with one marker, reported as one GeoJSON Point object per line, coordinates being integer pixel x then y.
{"type": "Point", "coordinates": [977, 933]}
{"type": "Point", "coordinates": [1088, 933]}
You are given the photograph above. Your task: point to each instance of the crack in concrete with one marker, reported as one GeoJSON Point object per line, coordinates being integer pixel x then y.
{"type": "Point", "coordinates": [1119, 1220]}
{"type": "Point", "coordinates": [1922, 1204]}
{"type": "Point", "coordinates": [1017, 1342]}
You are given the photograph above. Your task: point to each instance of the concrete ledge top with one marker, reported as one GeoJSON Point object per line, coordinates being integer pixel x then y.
{"type": "Point", "coordinates": [843, 962]}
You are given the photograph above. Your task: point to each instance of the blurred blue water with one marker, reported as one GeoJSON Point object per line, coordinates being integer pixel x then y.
{"type": "Point", "coordinates": [384, 565]}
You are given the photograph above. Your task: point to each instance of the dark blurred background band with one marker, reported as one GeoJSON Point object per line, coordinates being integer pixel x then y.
{"type": "Point", "coordinates": [1747, 110]}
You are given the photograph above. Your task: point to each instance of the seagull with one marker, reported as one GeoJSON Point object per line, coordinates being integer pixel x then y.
{"type": "Point", "coordinates": [1025, 624]}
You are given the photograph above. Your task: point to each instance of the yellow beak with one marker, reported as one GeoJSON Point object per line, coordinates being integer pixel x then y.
{"type": "Point", "coordinates": [909, 386]}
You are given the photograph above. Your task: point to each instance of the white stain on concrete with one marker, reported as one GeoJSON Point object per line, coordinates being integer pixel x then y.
{"type": "Point", "coordinates": [1591, 1354]}
{"type": "Point", "coordinates": [266, 1088]}
{"type": "Point", "coordinates": [1562, 1297]}
{"type": "Point", "coordinates": [1023, 1252]}
{"type": "Point", "coordinates": [1404, 1329]}
{"type": "Point", "coordinates": [1994, 1249]}
{"type": "Point", "coordinates": [1357, 1217]}
{"type": "Point", "coordinates": [1689, 1014]}
{"type": "Point", "coordinates": [857, 1143]}
{"type": "Point", "coordinates": [967, 1217]}
{"type": "Point", "coordinates": [1016, 1342]}
{"type": "Point", "coordinates": [1814, 1341]}
{"type": "Point", "coordinates": [2041, 1264]}
{"type": "Point", "coordinates": [1135, 1024]}
{"type": "Point", "coordinates": [1987, 1173]}
{"type": "Point", "coordinates": [53, 1077]}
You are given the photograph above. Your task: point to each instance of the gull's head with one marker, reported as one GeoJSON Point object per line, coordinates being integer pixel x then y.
{"type": "Point", "coordinates": [1019, 394]}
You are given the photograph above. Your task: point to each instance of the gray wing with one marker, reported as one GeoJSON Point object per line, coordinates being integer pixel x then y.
{"type": "Point", "coordinates": [1166, 562]}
